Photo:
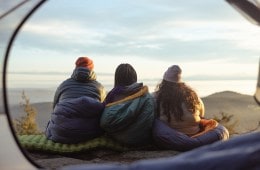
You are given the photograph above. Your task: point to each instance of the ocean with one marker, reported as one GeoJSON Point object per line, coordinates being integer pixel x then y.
{"type": "Point", "coordinates": [40, 87]}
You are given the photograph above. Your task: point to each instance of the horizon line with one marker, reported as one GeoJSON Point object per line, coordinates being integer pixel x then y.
{"type": "Point", "coordinates": [194, 77]}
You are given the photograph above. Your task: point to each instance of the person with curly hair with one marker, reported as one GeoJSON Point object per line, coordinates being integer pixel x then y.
{"type": "Point", "coordinates": [77, 106]}
{"type": "Point", "coordinates": [178, 104]}
{"type": "Point", "coordinates": [180, 122]}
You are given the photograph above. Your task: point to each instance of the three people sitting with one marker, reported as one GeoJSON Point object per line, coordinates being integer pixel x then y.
{"type": "Point", "coordinates": [172, 117]}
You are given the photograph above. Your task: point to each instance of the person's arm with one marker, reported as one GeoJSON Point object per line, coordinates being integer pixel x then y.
{"type": "Point", "coordinates": [56, 98]}
{"type": "Point", "coordinates": [103, 94]}
{"type": "Point", "coordinates": [154, 97]}
{"type": "Point", "coordinates": [202, 108]}
{"type": "Point", "coordinates": [257, 92]}
{"type": "Point", "coordinates": [257, 95]}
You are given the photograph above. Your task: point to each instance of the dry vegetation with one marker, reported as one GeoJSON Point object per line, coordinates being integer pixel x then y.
{"type": "Point", "coordinates": [26, 125]}
{"type": "Point", "coordinates": [228, 121]}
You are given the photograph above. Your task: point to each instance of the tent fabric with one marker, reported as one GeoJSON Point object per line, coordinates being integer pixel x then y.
{"type": "Point", "coordinates": [241, 152]}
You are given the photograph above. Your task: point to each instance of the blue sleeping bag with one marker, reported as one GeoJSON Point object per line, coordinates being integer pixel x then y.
{"type": "Point", "coordinates": [241, 152]}
{"type": "Point", "coordinates": [167, 138]}
{"type": "Point", "coordinates": [75, 120]}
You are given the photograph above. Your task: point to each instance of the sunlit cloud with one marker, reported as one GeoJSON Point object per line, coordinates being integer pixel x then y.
{"type": "Point", "coordinates": [62, 30]}
{"type": "Point", "coordinates": [150, 34]}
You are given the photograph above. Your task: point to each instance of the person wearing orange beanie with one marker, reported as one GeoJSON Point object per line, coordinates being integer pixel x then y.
{"type": "Point", "coordinates": [77, 106]}
{"type": "Point", "coordinates": [85, 62]}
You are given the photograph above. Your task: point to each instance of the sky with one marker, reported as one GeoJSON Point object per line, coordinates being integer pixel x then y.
{"type": "Point", "coordinates": [207, 39]}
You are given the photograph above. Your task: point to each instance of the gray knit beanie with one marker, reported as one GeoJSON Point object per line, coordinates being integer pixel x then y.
{"type": "Point", "coordinates": [173, 74]}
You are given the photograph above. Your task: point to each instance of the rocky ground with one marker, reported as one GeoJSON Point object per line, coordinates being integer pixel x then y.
{"type": "Point", "coordinates": [97, 157]}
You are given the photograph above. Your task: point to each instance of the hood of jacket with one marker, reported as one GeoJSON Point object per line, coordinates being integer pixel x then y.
{"type": "Point", "coordinates": [83, 74]}
{"type": "Point", "coordinates": [120, 92]}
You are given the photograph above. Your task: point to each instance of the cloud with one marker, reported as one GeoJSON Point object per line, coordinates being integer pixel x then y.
{"type": "Point", "coordinates": [168, 31]}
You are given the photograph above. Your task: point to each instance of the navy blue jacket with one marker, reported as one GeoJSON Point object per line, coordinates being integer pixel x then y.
{"type": "Point", "coordinates": [77, 108]}
{"type": "Point", "coordinates": [82, 83]}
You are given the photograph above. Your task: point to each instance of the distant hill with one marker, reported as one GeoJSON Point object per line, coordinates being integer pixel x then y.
{"type": "Point", "coordinates": [243, 108]}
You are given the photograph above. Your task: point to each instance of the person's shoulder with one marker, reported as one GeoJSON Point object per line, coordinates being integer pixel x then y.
{"type": "Point", "coordinates": [149, 96]}
{"type": "Point", "coordinates": [66, 81]}
{"type": "Point", "coordinates": [97, 83]}
{"type": "Point", "coordinates": [153, 94]}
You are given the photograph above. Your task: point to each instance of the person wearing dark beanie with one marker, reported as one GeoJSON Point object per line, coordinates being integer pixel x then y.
{"type": "Point", "coordinates": [129, 113]}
